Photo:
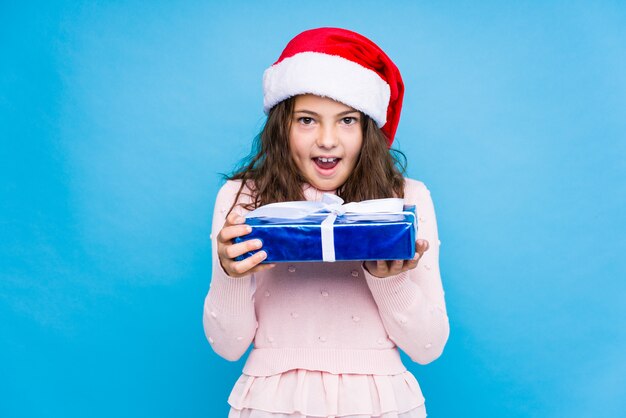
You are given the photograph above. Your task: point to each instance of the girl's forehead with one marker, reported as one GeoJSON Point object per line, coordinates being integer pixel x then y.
{"type": "Point", "coordinates": [312, 102]}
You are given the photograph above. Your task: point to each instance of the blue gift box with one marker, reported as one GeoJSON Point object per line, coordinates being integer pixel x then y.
{"type": "Point", "coordinates": [356, 236]}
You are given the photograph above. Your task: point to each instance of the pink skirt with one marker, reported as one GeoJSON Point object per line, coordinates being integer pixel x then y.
{"type": "Point", "coordinates": [304, 393]}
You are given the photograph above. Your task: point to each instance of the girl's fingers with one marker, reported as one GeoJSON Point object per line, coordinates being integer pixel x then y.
{"type": "Point", "coordinates": [421, 246]}
{"type": "Point", "coordinates": [411, 264]}
{"type": "Point", "coordinates": [233, 219]}
{"type": "Point", "coordinates": [384, 268]}
{"type": "Point", "coordinates": [235, 250]}
{"type": "Point", "coordinates": [243, 267]}
{"type": "Point", "coordinates": [396, 266]}
{"type": "Point", "coordinates": [229, 232]}
{"type": "Point", "coordinates": [381, 267]}
{"type": "Point", "coordinates": [234, 227]}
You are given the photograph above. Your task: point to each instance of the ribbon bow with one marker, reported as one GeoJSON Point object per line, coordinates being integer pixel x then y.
{"type": "Point", "coordinates": [334, 206]}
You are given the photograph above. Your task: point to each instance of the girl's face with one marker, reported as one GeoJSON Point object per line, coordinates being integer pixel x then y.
{"type": "Point", "coordinates": [325, 139]}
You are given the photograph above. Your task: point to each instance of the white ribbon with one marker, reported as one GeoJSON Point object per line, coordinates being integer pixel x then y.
{"type": "Point", "coordinates": [331, 204]}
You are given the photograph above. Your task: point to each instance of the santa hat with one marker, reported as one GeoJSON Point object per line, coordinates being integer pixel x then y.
{"type": "Point", "coordinates": [342, 65]}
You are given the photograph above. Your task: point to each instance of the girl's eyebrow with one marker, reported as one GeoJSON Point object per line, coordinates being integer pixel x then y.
{"type": "Point", "coordinates": [347, 112]}
{"type": "Point", "coordinates": [310, 112]}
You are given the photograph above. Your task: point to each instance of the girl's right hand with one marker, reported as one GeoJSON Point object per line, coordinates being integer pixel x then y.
{"type": "Point", "coordinates": [227, 251]}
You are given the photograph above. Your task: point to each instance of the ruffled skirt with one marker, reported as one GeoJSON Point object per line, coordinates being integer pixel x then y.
{"type": "Point", "coordinates": [304, 393]}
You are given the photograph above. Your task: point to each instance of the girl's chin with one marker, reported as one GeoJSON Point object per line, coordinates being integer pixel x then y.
{"type": "Point", "coordinates": [325, 185]}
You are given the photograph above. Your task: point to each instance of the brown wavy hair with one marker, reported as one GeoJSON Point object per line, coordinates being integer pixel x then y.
{"type": "Point", "coordinates": [272, 176]}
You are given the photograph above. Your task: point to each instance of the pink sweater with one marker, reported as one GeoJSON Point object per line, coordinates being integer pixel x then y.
{"type": "Point", "coordinates": [332, 317]}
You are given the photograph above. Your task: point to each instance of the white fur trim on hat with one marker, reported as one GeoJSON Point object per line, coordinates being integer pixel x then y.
{"type": "Point", "coordinates": [329, 76]}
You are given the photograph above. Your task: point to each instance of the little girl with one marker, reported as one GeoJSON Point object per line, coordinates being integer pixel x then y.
{"type": "Point", "coordinates": [326, 335]}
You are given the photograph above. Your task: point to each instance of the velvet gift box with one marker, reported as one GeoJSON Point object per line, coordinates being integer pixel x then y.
{"type": "Point", "coordinates": [330, 231]}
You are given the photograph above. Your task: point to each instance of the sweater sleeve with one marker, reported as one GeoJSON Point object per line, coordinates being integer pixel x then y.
{"type": "Point", "coordinates": [411, 304]}
{"type": "Point", "coordinates": [229, 317]}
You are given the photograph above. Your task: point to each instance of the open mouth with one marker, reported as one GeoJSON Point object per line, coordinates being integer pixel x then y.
{"type": "Point", "coordinates": [326, 163]}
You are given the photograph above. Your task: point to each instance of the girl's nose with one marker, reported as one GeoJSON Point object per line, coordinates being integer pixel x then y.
{"type": "Point", "coordinates": [327, 138]}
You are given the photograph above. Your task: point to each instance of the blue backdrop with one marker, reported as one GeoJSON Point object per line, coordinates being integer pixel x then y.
{"type": "Point", "coordinates": [116, 119]}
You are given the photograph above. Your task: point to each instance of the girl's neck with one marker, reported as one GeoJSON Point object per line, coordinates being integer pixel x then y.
{"type": "Point", "coordinates": [313, 194]}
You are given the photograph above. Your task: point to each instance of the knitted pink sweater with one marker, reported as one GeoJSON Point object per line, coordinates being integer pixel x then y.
{"type": "Point", "coordinates": [332, 317]}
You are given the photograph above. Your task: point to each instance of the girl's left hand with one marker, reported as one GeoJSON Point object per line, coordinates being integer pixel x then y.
{"type": "Point", "coordinates": [386, 268]}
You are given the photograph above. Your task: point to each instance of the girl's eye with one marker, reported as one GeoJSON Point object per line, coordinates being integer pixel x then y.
{"type": "Point", "coordinates": [350, 120]}
{"type": "Point", "coordinates": [305, 120]}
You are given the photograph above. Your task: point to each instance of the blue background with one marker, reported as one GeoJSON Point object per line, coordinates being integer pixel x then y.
{"type": "Point", "coordinates": [116, 118]}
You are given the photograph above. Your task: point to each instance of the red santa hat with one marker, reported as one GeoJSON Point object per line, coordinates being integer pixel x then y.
{"type": "Point", "coordinates": [342, 65]}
